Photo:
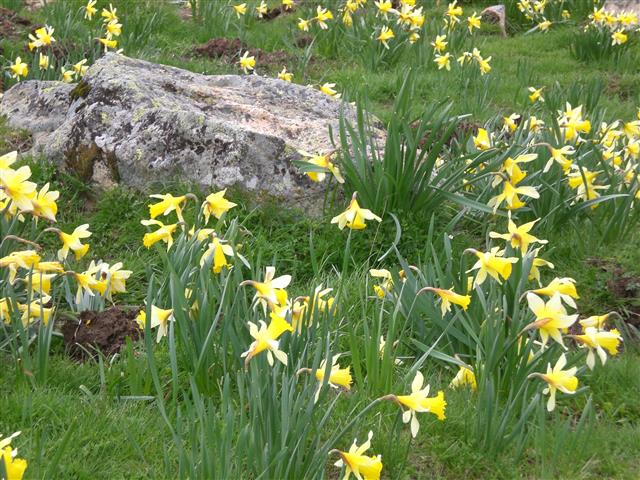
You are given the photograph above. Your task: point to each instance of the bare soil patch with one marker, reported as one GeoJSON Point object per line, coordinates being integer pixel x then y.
{"type": "Point", "coordinates": [104, 331]}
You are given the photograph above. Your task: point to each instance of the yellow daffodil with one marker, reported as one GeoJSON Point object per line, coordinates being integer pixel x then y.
{"type": "Point", "coordinates": [439, 44]}
{"type": "Point", "coordinates": [454, 11]}
{"type": "Point", "coordinates": [72, 241]}
{"type": "Point", "coordinates": [491, 263]}
{"type": "Point", "coordinates": [40, 282]}
{"type": "Point", "coordinates": [582, 180]}
{"type": "Point", "coordinates": [558, 155]}
{"type": "Point", "coordinates": [67, 75]}
{"type": "Point", "coordinates": [109, 15]}
{"type": "Point", "coordinates": [240, 9]}
{"type": "Point", "coordinates": [13, 466]}
{"type": "Point", "coordinates": [168, 204]}
{"type": "Point", "coordinates": [572, 124]}
{"type": "Point", "coordinates": [354, 217]}
{"type": "Point", "coordinates": [90, 10]}
{"type": "Point", "coordinates": [44, 204]}
{"type": "Point", "coordinates": [215, 204]}
{"type": "Point", "coordinates": [419, 402]}
{"type": "Point", "coordinates": [247, 62]}
{"type": "Point", "coordinates": [510, 194]}
{"type": "Point", "coordinates": [339, 378]}
{"type": "Point", "coordinates": [26, 259]}
{"type": "Point", "coordinates": [448, 297]}
{"type": "Point", "coordinates": [362, 466]}
{"type": "Point", "coordinates": [534, 273]}
{"type": "Point", "coordinates": [108, 43]}
{"type": "Point", "coordinates": [482, 140]}
{"type": "Point", "coordinates": [464, 377]}
{"type": "Point", "coordinates": [544, 25]}
{"type": "Point", "coordinates": [284, 75]}
{"type": "Point", "coordinates": [518, 236]}
{"type": "Point", "coordinates": [262, 9]}
{"type": "Point", "coordinates": [551, 317]}
{"type": "Point", "coordinates": [536, 94]}
{"type": "Point", "coordinates": [600, 342]}
{"type": "Point", "coordinates": [564, 287]}
{"type": "Point", "coordinates": [322, 15]}
{"type": "Point", "coordinates": [287, 4]}
{"type": "Point", "coordinates": [510, 124]}
{"type": "Point", "coordinates": [328, 89]}
{"type": "Point", "coordinates": [266, 339]}
{"type": "Point", "coordinates": [511, 167]}
{"type": "Point", "coordinates": [473, 22]}
{"type": "Point", "coordinates": [114, 29]}
{"type": "Point", "coordinates": [217, 254]}
{"type": "Point", "coordinates": [387, 284]}
{"type": "Point", "coordinates": [443, 61]}
{"type": "Point", "coordinates": [7, 160]}
{"type": "Point", "coordinates": [271, 291]}
{"type": "Point", "coordinates": [43, 61]}
{"type": "Point", "coordinates": [619, 37]}
{"type": "Point", "coordinates": [558, 379]}
{"type": "Point", "coordinates": [386, 34]}
{"type": "Point", "coordinates": [596, 321]}
{"type": "Point", "coordinates": [384, 8]}
{"type": "Point", "coordinates": [43, 38]}
{"type": "Point", "coordinates": [164, 233]}
{"type": "Point", "coordinates": [322, 161]}
{"type": "Point", "coordinates": [160, 319]}
{"type": "Point", "coordinates": [16, 186]}
{"type": "Point", "coordinates": [303, 24]}
{"type": "Point", "coordinates": [36, 311]}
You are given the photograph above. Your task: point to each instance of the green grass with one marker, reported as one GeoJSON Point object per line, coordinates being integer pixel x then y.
{"type": "Point", "coordinates": [115, 438]}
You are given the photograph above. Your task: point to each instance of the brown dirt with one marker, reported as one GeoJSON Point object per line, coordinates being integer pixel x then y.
{"type": "Point", "coordinates": [624, 286]}
{"type": "Point", "coordinates": [303, 41]}
{"type": "Point", "coordinates": [221, 48]}
{"type": "Point", "coordinates": [232, 49]}
{"type": "Point", "coordinates": [11, 25]}
{"type": "Point", "coordinates": [105, 331]}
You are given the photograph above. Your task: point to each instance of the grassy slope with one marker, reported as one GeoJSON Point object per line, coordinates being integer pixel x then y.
{"type": "Point", "coordinates": [112, 438]}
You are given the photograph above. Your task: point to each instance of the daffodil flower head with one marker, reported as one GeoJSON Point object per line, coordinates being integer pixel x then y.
{"type": "Point", "coordinates": [464, 377]}
{"type": "Point", "coordinates": [215, 204]}
{"type": "Point", "coordinates": [160, 319]}
{"type": "Point", "coordinates": [362, 466]}
{"type": "Point", "coordinates": [16, 186]}
{"type": "Point", "coordinates": [168, 204]}
{"type": "Point", "coordinates": [354, 216]}
{"type": "Point", "coordinates": [266, 339]}
{"type": "Point", "coordinates": [558, 379]}
{"type": "Point", "coordinates": [564, 287]}
{"type": "Point", "coordinates": [271, 291]}
{"type": "Point", "coordinates": [217, 254]}
{"type": "Point", "coordinates": [338, 377]}
{"type": "Point", "coordinates": [600, 342]}
{"type": "Point", "coordinates": [419, 402]}
{"type": "Point", "coordinates": [447, 297]}
{"type": "Point", "coordinates": [492, 263]}
{"type": "Point", "coordinates": [551, 317]}
{"type": "Point", "coordinates": [519, 236]}
{"type": "Point", "coordinates": [247, 62]}
{"type": "Point", "coordinates": [164, 233]}
{"type": "Point", "coordinates": [73, 241]}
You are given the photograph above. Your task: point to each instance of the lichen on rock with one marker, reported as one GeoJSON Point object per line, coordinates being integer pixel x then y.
{"type": "Point", "coordinates": [145, 123]}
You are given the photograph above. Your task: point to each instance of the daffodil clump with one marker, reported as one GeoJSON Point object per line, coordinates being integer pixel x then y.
{"type": "Point", "coordinates": [41, 42]}
{"type": "Point", "coordinates": [31, 274]}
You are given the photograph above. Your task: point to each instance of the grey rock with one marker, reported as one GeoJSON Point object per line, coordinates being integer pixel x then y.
{"type": "Point", "coordinates": [139, 123]}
